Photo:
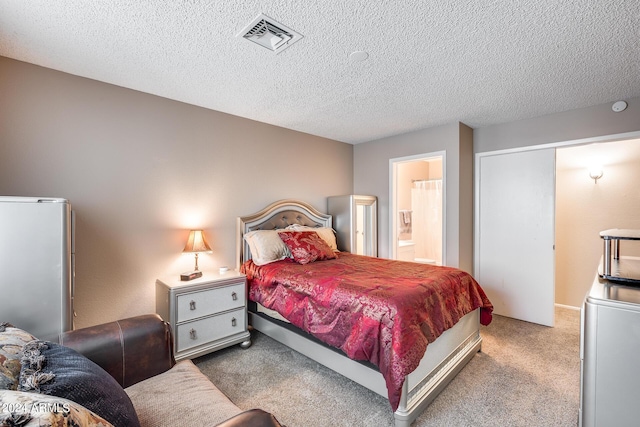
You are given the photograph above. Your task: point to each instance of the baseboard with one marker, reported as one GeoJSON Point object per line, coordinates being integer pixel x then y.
{"type": "Point", "coordinates": [568, 307]}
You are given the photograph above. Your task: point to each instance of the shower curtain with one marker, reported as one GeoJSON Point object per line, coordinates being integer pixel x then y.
{"type": "Point", "coordinates": [426, 203]}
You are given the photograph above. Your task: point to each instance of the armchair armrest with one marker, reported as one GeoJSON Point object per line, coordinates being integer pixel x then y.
{"type": "Point", "coordinates": [130, 350]}
{"type": "Point", "coordinates": [252, 418]}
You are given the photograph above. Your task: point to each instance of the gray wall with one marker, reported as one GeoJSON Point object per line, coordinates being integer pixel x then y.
{"type": "Point", "coordinates": [141, 170]}
{"type": "Point", "coordinates": [371, 177]}
{"type": "Point", "coordinates": [599, 120]}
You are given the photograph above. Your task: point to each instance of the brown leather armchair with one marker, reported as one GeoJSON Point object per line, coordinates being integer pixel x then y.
{"type": "Point", "coordinates": [134, 349]}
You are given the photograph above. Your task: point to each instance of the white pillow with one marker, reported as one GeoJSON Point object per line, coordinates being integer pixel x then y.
{"type": "Point", "coordinates": [326, 233]}
{"type": "Point", "coordinates": [266, 246]}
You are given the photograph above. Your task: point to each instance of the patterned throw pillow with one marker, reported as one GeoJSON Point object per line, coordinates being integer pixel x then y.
{"type": "Point", "coordinates": [326, 233]}
{"type": "Point", "coordinates": [56, 370]}
{"type": "Point", "coordinates": [307, 246]}
{"type": "Point", "coordinates": [11, 342]}
{"type": "Point", "coordinates": [18, 408]}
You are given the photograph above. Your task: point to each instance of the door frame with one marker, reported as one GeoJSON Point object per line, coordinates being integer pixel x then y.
{"type": "Point", "coordinates": [393, 205]}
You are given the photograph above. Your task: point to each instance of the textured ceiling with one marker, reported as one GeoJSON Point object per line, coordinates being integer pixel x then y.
{"type": "Point", "coordinates": [430, 62]}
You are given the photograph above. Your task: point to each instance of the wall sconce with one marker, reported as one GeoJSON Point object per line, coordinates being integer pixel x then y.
{"type": "Point", "coordinates": [596, 173]}
{"type": "Point", "coordinates": [196, 243]}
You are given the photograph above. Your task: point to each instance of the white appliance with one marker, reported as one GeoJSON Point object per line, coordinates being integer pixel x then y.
{"type": "Point", "coordinates": [609, 349]}
{"type": "Point", "coordinates": [37, 265]}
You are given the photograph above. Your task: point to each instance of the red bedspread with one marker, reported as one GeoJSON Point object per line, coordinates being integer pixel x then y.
{"type": "Point", "coordinates": [373, 309]}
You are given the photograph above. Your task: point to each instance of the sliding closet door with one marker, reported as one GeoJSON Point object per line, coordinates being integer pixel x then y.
{"type": "Point", "coordinates": [515, 261]}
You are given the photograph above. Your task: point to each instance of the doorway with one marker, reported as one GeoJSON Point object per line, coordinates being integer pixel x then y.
{"type": "Point", "coordinates": [417, 212]}
{"type": "Point", "coordinates": [502, 282]}
{"type": "Point", "coordinates": [585, 206]}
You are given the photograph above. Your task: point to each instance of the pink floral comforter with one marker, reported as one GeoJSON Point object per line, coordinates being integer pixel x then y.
{"type": "Point", "coordinates": [372, 309]}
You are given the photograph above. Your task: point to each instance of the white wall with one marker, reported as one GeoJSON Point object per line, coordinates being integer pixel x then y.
{"type": "Point", "coordinates": [371, 177]}
{"type": "Point", "coordinates": [584, 208]}
{"type": "Point", "coordinates": [141, 170]}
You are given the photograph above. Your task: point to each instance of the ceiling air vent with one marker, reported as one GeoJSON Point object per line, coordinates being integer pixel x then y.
{"type": "Point", "coordinates": [270, 34]}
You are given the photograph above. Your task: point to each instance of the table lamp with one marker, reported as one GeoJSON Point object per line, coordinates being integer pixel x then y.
{"type": "Point", "coordinates": [196, 243]}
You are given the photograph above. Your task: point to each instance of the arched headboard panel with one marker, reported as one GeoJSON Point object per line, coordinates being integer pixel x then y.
{"type": "Point", "coordinates": [277, 215]}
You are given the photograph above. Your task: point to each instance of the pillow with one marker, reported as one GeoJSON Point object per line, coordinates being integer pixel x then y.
{"type": "Point", "coordinates": [40, 410]}
{"type": "Point", "coordinates": [266, 246]}
{"type": "Point", "coordinates": [12, 340]}
{"type": "Point", "coordinates": [53, 369]}
{"type": "Point", "coordinates": [307, 246]}
{"type": "Point", "coordinates": [327, 234]}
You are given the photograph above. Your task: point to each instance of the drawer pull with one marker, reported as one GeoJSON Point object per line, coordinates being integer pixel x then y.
{"type": "Point", "coordinates": [192, 305]}
{"type": "Point", "coordinates": [192, 334]}
{"type": "Point", "coordinates": [234, 296]}
{"type": "Point", "coordinates": [233, 321]}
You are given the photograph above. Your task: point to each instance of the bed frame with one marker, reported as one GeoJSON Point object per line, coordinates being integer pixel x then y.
{"type": "Point", "coordinates": [442, 361]}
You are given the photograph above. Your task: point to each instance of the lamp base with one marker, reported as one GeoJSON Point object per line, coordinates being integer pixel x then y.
{"type": "Point", "coordinates": [191, 275]}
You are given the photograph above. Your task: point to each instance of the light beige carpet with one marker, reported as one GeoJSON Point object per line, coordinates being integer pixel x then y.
{"type": "Point", "coordinates": [526, 375]}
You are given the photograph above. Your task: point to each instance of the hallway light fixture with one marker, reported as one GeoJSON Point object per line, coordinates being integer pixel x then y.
{"type": "Point", "coordinates": [596, 173]}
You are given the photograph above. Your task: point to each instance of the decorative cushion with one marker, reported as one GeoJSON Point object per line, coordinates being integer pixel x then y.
{"type": "Point", "coordinates": [266, 246]}
{"type": "Point", "coordinates": [12, 340]}
{"type": "Point", "coordinates": [57, 370]}
{"type": "Point", "coordinates": [307, 246]}
{"type": "Point", "coordinates": [18, 408]}
{"type": "Point", "coordinates": [327, 234]}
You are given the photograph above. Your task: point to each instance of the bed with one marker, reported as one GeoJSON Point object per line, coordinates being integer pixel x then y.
{"type": "Point", "coordinates": [408, 356]}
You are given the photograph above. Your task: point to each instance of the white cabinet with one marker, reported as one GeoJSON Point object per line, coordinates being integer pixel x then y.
{"type": "Point", "coordinates": [609, 349]}
{"type": "Point", "coordinates": [355, 222]}
{"type": "Point", "coordinates": [205, 314]}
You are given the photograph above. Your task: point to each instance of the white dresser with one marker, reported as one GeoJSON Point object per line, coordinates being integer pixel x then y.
{"type": "Point", "coordinates": [609, 352]}
{"type": "Point", "coordinates": [205, 314]}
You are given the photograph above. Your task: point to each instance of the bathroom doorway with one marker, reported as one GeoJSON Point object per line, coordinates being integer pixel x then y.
{"type": "Point", "coordinates": [417, 219]}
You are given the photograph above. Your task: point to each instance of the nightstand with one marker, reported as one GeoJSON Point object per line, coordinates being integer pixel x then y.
{"type": "Point", "coordinates": [205, 314]}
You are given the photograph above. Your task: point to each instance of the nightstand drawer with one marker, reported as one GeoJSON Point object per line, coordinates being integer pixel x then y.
{"type": "Point", "coordinates": [199, 304]}
{"type": "Point", "coordinates": [212, 328]}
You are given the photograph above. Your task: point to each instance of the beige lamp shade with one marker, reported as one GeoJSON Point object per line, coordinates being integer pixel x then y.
{"type": "Point", "coordinates": [196, 242]}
